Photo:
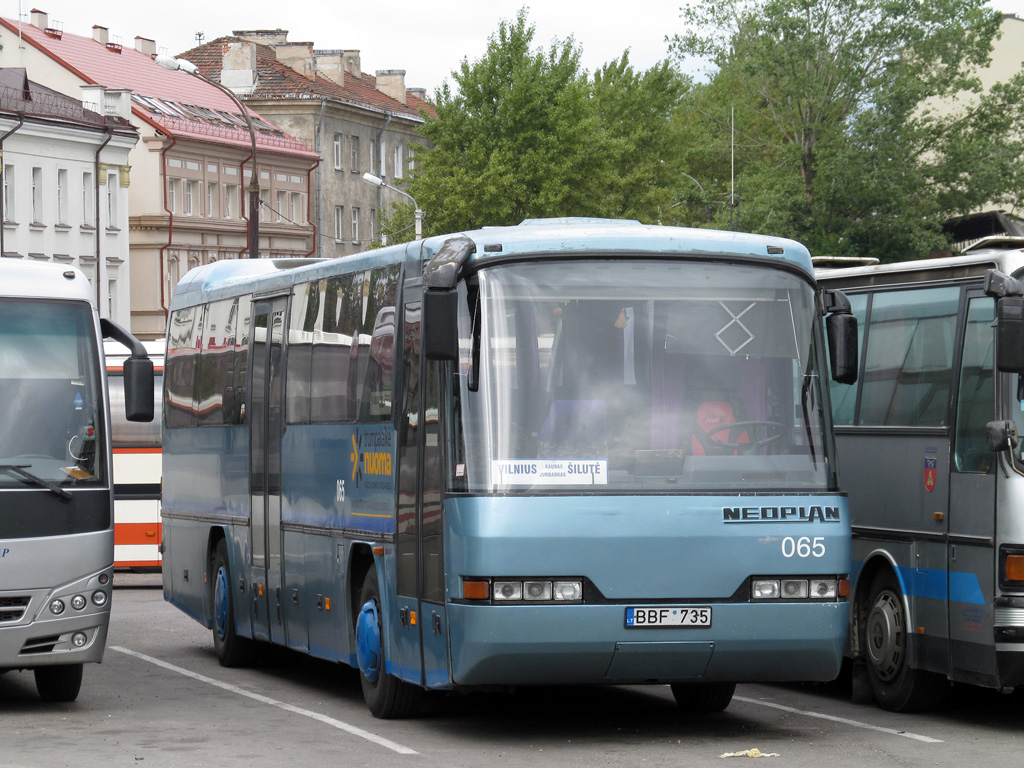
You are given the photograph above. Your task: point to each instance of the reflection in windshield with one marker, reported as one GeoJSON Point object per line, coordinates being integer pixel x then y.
{"type": "Point", "coordinates": [639, 375]}
{"type": "Point", "coordinates": [50, 388]}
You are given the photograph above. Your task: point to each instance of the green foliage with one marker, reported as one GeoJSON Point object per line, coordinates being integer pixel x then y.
{"type": "Point", "coordinates": [838, 143]}
{"type": "Point", "coordinates": [528, 134]}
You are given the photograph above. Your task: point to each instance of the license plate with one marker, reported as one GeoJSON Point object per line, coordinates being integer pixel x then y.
{"type": "Point", "coordinates": [668, 616]}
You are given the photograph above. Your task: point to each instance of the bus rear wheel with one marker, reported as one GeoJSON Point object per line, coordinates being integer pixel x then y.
{"type": "Point", "coordinates": [896, 685]}
{"type": "Point", "coordinates": [386, 696]}
{"type": "Point", "coordinates": [231, 650]}
{"type": "Point", "coordinates": [59, 683]}
{"type": "Point", "coordinates": [705, 698]}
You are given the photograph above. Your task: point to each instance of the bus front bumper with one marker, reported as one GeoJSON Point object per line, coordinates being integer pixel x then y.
{"type": "Point", "coordinates": [581, 644]}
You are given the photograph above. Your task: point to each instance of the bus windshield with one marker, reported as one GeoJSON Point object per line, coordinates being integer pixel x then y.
{"type": "Point", "coordinates": [639, 375]}
{"type": "Point", "coordinates": [50, 386]}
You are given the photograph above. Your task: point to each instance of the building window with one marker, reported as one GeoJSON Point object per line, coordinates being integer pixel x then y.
{"type": "Point", "coordinates": [355, 225]}
{"type": "Point", "coordinates": [339, 219]}
{"type": "Point", "coordinates": [88, 200]}
{"type": "Point", "coordinates": [172, 195]}
{"type": "Point", "coordinates": [62, 196]}
{"type": "Point", "coordinates": [37, 195]}
{"type": "Point", "coordinates": [211, 199]}
{"type": "Point", "coordinates": [373, 157]}
{"type": "Point", "coordinates": [280, 206]}
{"type": "Point", "coordinates": [373, 223]}
{"type": "Point", "coordinates": [190, 197]}
{"type": "Point", "coordinates": [295, 199]}
{"type": "Point", "coordinates": [337, 151]}
{"type": "Point", "coordinates": [9, 193]}
{"type": "Point", "coordinates": [398, 172]}
{"type": "Point", "coordinates": [112, 187]}
{"type": "Point", "coordinates": [230, 196]}
{"type": "Point", "coordinates": [353, 149]}
{"type": "Point", "coordinates": [264, 195]}
{"type": "Point", "coordinates": [411, 158]}
{"type": "Point", "coordinates": [112, 299]}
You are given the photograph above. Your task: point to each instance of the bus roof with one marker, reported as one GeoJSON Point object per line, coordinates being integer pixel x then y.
{"type": "Point", "coordinates": [43, 280]}
{"type": "Point", "coordinates": [973, 264]}
{"type": "Point", "coordinates": [560, 237]}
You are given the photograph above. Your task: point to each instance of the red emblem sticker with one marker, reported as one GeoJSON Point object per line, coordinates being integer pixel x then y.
{"type": "Point", "coordinates": [931, 470]}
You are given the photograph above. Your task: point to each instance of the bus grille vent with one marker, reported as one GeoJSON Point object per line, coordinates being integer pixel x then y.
{"type": "Point", "coordinates": [40, 644]}
{"type": "Point", "coordinates": [12, 608]}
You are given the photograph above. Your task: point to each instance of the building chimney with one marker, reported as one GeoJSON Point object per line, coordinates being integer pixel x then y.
{"type": "Point", "coordinates": [100, 34]}
{"type": "Point", "coordinates": [238, 67]}
{"type": "Point", "coordinates": [145, 45]}
{"type": "Point", "coordinates": [419, 93]}
{"type": "Point", "coordinates": [331, 64]}
{"type": "Point", "coordinates": [298, 56]}
{"type": "Point", "coordinates": [92, 97]}
{"type": "Point", "coordinates": [391, 82]}
{"type": "Point", "coordinates": [352, 65]}
{"type": "Point", "coordinates": [117, 102]}
{"type": "Point", "coordinates": [263, 36]}
{"type": "Point", "coordinates": [40, 19]}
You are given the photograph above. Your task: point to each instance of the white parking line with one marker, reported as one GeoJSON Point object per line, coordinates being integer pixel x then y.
{"type": "Point", "coordinates": [339, 724]}
{"type": "Point", "coordinates": [843, 720]}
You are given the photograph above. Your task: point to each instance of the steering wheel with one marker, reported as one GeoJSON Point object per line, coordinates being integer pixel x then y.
{"type": "Point", "coordinates": [738, 427]}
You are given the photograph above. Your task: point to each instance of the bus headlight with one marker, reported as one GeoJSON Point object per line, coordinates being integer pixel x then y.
{"type": "Point", "coordinates": [508, 590]}
{"type": "Point", "coordinates": [523, 590]}
{"type": "Point", "coordinates": [78, 602]}
{"type": "Point", "coordinates": [567, 590]}
{"type": "Point", "coordinates": [57, 607]}
{"type": "Point", "coordinates": [99, 598]}
{"type": "Point", "coordinates": [805, 588]}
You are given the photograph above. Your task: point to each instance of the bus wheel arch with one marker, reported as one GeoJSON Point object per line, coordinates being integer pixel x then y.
{"type": "Point", "coordinates": [884, 637]}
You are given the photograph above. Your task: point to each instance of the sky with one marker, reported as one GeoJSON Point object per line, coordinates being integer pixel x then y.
{"type": "Point", "coordinates": [427, 38]}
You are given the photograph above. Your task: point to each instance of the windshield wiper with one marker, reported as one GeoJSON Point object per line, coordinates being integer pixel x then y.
{"type": "Point", "coordinates": [19, 470]}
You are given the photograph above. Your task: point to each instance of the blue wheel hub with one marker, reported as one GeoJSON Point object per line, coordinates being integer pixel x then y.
{"type": "Point", "coordinates": [220, 602]}
{"type": "Point", "coordinates": [368, 645]}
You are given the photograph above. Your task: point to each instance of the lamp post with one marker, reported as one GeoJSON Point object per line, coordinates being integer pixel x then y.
{"type": "Point", "coordinates": [377, 181]}
{"type": "Point", "coordinates": [183, 65]}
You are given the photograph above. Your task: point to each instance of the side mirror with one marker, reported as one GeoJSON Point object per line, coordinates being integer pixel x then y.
{"type": "Point", "coordinates": [842, 347]}
{"type": "Point", "coordinates": [1002, 435]}
{"type": "Point", "coordinates": [138, 389]}
{"type": "Point", "coordinates": [441, 324]}
{"type": "Point", "coordinates": [1010, 334]}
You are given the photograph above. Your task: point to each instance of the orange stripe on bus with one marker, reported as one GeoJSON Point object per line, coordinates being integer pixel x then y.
{"type": "Point", "coordinates": [138, 450]}
{"type": "Point", "coordinates": [137, 533]}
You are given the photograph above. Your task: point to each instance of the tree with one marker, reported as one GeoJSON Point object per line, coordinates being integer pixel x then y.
{"type": "Point", "coordinates": [836, 101]}
{"type": "Point", "coordinates": [528, 134]}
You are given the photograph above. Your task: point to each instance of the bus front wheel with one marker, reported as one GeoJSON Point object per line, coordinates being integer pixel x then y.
{"type": "Point", "coordinates": [705, 698]}
{"type": "Point", "coordinates": [59, 683]}
{"type": "Point", "coordinates": [231, 650]}
{"type": "Point", "coordinates": [386, 696]}
{"type": "Point", "coordinates": [897, 686]}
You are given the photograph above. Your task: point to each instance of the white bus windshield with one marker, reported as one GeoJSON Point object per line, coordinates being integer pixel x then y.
{"type": "Point", "coordinates": [639, 375]}
{"type": "Point", "coordinates": [51, 433]}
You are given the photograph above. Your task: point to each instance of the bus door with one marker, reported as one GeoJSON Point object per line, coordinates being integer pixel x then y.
{"type": "Point", "coordinates": [419, 651]}
{"type": "Point", "coordinates": [266, 421]}
{"type": "Point", "coordinates": [972, 504]}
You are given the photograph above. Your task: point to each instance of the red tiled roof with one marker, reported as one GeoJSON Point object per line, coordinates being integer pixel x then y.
{"type": "Point", "coordinates": [279, 81]}
{"type": "Point", "coordinates": [124, 67]}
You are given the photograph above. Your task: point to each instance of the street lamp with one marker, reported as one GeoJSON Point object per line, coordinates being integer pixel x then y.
{"type": "Point", "coordinates": [183, 65]}
{"type": "Point", "coordinates": [377, 181]}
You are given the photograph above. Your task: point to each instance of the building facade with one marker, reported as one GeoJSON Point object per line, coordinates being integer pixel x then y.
{"type": "Point", "coordinates": [66, 177]}
{"type": "Point", "coordinates": [357, 123]}
{"type": "Point", "coordinates": [189, 170]}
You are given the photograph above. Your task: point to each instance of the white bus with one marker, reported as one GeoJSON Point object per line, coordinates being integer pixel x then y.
{"type": "Point", "coordinates": [928, 452]}
{"type": "Point", "coordinates": [56, 492]}
{"type": "Point", "coordinates": [137, 466]}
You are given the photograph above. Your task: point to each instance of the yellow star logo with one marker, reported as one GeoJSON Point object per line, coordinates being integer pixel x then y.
{"type": "Point", "coordinates": [354, 457]}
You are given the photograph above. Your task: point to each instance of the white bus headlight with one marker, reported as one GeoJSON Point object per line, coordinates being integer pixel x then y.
{"type": "Point", "coordinates": [57, 607]}
{"type": "Point", "coordinates": [567, 590]}
{"type": "Point", "coordinates": [537, 590]}
{"type": "Point", "coordinates": [508, 590]}
{"type": "Point", "coordinates": [99, 598]}
{"type": "Point", "coordinates": [765, 589]}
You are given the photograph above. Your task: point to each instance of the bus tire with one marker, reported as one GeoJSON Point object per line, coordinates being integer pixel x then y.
{"type": "Point", "coordinates": [59, 683]}
{"type": "Point", "coordinates": [896, 685]}
{"type": "Point", "coordinates": [386, 696]}
{"type": "Point", "coordinates": [706, 698]}
{"type": "Point", "coordinates": [231, 650]}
